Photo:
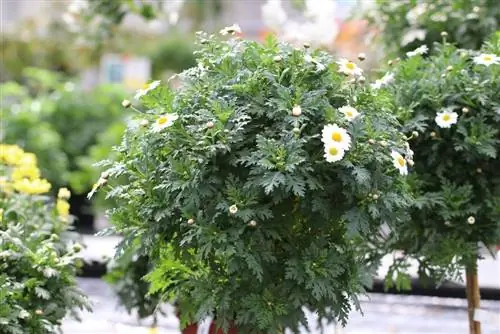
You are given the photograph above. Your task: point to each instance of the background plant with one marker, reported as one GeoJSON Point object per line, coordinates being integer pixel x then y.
{"type": "Point", "coordinates": [404, 25]}
{"type": "Point", "coordinates": [68, 128]}
{"type": "Point", "coordinates": [231, 177]}
{"type": "Point", "coordinates": [38, 259]}
{"type": "Point", "coordinates": [450, 101]}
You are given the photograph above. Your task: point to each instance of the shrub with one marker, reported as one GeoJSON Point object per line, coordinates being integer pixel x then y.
{"type": "Point", "coordinates": [38, 260]}
{"type": "Point", "coordinates": [63, 125]}
{"type": "Point", "coordinates": [251, 182]}
{"type": "Point", "coordinates": [406, 24]}
{"type": "Point", "coordinates": [451, 103]}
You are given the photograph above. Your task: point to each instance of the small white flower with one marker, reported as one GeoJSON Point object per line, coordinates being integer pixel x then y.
{"type": "Point", "coordinates": [486, 59]}
{"type": "Point", "coordinates": [384, 81]}
{"type": "Point", "coordinates": [333, 152]}
{"type": "Point", "coordinates": [471, 220]}
{"type": "Point", "coordinates": [233, 209]}
{"type": "Point", "coordinates": [446, 118]}
{"type": "Point", "coordinates": [164, 121]}
{"type": "Point", "coordinates": [334, 135]}
{"type": "Point", "coordinates": [296, 111]}
{"type": "Point", "coordinates": [349, 112]}
{"type": "Point", "coordinates": [147, 88]}
{"type": "Point", "coordinates": [413, 35]}
{"type": "Point", "coordinates": [399, 162]}
{"type": "Point", "coordinates": [273, 14]}
{"type": "Point", "coordinates": [231, 30]}
{"type": "Point", "coordinates": [421, 50]}
{"type": "Point", "coordinates": [414, 13]}
{"type": "Point", "coordinates": [348, 67]}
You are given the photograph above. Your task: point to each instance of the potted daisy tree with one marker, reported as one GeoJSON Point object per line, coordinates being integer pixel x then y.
{"type": "Point", "coordinates": [251, 186]}
{"type": "Point", "coordinates": [449, 103]}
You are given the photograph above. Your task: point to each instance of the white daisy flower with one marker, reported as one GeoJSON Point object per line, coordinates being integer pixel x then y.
{"type": "Point", "coordinates": [399, 162]}
{"type": "Point", "coordinates": [231, 30]}
{"type": "Point", "coordinates": [233, 209]}
{"type": "Point", "coordinates": [349, 68]}
{"type": "Point", "coordinates": [446, 118]}
{"type": "Point", "coordinates": [413, 35]}
{"type": "Point", "coordinates": [384, 81]}
{"type": "Point", "coordinates": [147, 88]}
{"type": "Point", "coordinates": [349, 112]}
{"type": "Point", "coordinates": [333, 152]}
{"type": "Point", "coordinates": [418, 51]}
{"type": "Point", "coordinates": [471, 220]}
{"type": "Point", "coordinates": [164, 121]}
{"type": "Point", "coordinates": [486, 59]}
{"type": "Point", "coordinates": [333, 134]}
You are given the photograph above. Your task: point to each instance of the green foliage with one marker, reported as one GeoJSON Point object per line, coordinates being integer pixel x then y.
{"type": "Point", "coordinates": [38, 263]}
{"type": "Point", "coordinates": [230, 195]}
{"type": "Point", "coordinates": [175, 54]}
{"type": "Point", "coordinates": [126, 275]}
{"type": "Point", "coordinates": [455, 179]}
{"type": "Point", "coordinates": [67, 128]}
{"type": "Point", "coordinates": [468, 23]}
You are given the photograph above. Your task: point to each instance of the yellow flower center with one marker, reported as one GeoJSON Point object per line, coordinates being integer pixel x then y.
{"type": "Point", "coordinates": [350, 65]}
{"type": "Point", "coordinates": [401, 161]}
{"type": "Point", "coordinates": [162, 120]}
{"type": "Point", "coordinates": [145, 86]}
{"type": "Point", "coordinates": [333, 151]}
{"type": "Point", "coordinates": [336, 136]}
{"type": "Point", "coordinates": [487, 58]}
{"type": "Point", "coordinates": [446, 117]}
{"type": "Point", "coordinates": [349, 114]}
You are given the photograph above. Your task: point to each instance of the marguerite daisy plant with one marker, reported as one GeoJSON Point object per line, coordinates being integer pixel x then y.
{"type": "Point", "coordinates": [349, 68]}
{"type": "Point", "coordinates": [164, 121]}
{"type": "Point", "coordinates": [446, 118]}
{"type": "Point", "coordinates": [399, 162]}
{"type": "Point", "coordinates": [349, 112]}
{"type": "Point", "coordinates": [486, 59]}
{"type": "Point", "coordinates": [147, 88]}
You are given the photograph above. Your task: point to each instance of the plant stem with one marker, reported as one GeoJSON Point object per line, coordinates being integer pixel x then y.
{"type": "Point", "coordinates": [473, 297]}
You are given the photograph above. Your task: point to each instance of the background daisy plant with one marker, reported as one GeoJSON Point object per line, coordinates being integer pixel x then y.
{"type": "Point", "coordinates": [450, 107]}
{"type": "Point", "coordinates": [251, 185]}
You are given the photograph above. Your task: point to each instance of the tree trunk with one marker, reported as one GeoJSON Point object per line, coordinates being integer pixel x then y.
{"type": "Point", "coordinates": [473, 297]}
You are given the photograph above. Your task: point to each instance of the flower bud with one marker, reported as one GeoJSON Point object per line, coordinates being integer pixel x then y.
{"type": "Point", "coordinates": [277, 59]}
{"type": "Point", "coordinates": [471, 220]}
{"type": "Point", "coordinates": [126, 103]}
{"type": "Point", "coordinates": [38, 312]}
{"type": "Point", "coordinates": [371, 141]}
{"type": "Point", "coordinates": [475, 82]}
{"type": "Point", "coordinates": [447, 223]}
{"type": "Point", "coordinates": [443, 75]}
{"type": "Point", "coordinates": [210, 124]}
{"type": "Point", "coordinates": [375, 196]}
{"type": "Point", "coordinates": [414, 134]}
{"type": "Point", "coordinates": [190, 221]}
{"type": "Point", "coordinates": [361, 56]}
{"type": "Point", "coordinates": [410, 162]}
{"type": "Point", "coordinates": [296, 130]}
{"type": "Point", "coordinates": [444, 34]}
{"type": "Point", "coordinates": [465, 110]}
{"type": "Point", "coordinates": [77, 247]}
{"type": "Point", "coordinates": [362, 79]}
{"type": "Point", "coordinates": [449, 68]}
{"type": "Point", "coordinates": [476, 9]}
{"type": "Point", "coordinates": [144, 123]}
{"type": "Point", "coordinates": [433, 134]}
{"type": "Point", "coordinates": [296, 111]}
{"type": "Point", "coordinates": [383, 143]}
{"type": "Point", "coordinates": [252, 223]}
{"type": "Point", "coordinates": [479, 170]}
{"type": "Point", "coordinates": [389, 63]}
{"type": "Point", "coordinates": [233, 209]}
{"type": "Point", "coordinates": [307, 45]}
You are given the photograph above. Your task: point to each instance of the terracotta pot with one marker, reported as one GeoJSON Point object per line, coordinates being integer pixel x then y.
{"type": "Point", "coordinates": [193, 329]}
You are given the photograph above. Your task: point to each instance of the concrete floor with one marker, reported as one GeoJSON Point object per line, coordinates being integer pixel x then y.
{"type": "Point", "coordinates": [383, 313]}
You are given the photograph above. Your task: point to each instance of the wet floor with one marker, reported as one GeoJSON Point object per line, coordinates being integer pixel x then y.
{"type": "Point", "coordinates": [383, 313]}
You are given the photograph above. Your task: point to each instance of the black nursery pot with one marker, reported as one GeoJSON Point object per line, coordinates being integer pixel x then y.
{"type": "Point", "coordinates": [81, 208]}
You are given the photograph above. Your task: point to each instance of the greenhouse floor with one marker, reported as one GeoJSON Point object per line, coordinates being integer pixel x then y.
{"type": "Point", "coordinates": [383, 313]}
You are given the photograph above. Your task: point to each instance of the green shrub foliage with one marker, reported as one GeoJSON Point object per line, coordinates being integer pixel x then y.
{"type": "Point", "coordinates": [451, 102]}
{"type": "Point", "coordinates": [406, 24]}
{"type": "Point", "coordinates": [244, 190]}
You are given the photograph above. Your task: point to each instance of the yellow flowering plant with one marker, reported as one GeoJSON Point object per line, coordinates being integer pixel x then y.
{"type": "Point", "coordinates": [38, 255]}
{"type": "Point", "coordinates": [259, 175]}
